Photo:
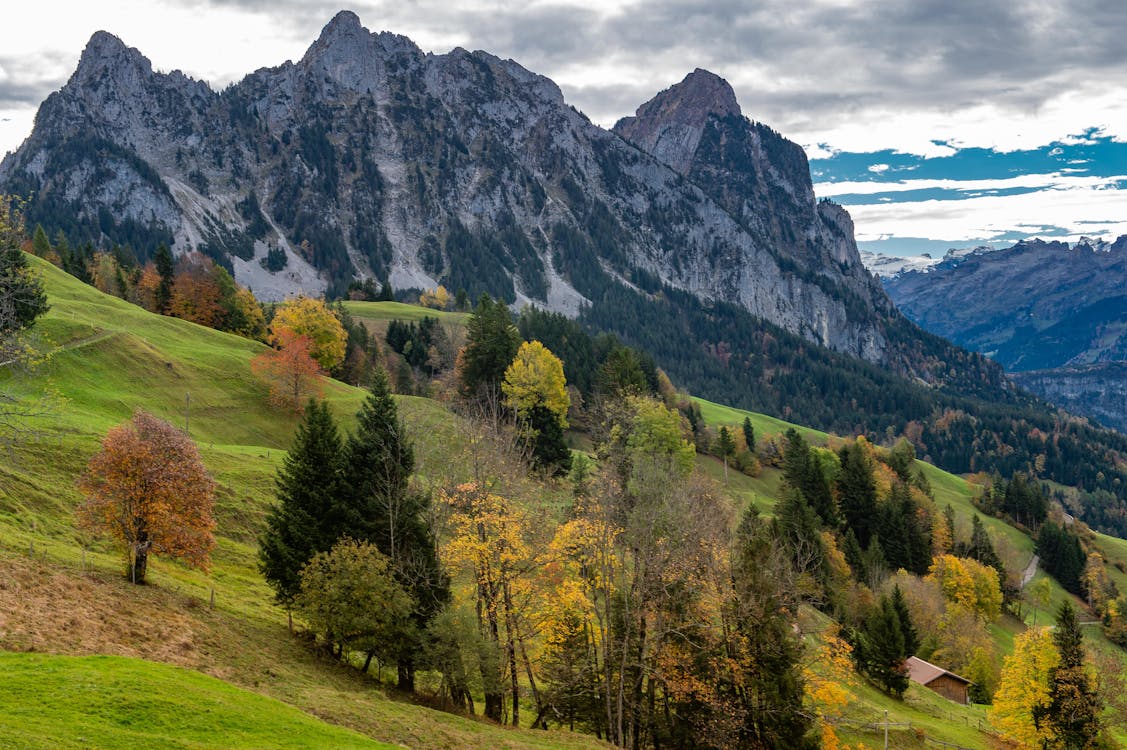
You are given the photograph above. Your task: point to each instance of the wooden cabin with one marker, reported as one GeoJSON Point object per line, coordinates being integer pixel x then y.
{"type": "Point", "coordinates": [948, 684]}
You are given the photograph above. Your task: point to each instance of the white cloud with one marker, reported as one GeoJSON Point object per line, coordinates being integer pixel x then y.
{"type": "Point", "coordinates": [1054, 180]}
{"type": "Point", "coordinates": [1078, 210]}
{"type": "Point", "coordinates": [878, 168]}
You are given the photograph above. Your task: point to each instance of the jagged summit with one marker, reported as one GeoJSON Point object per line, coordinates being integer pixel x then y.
{"type": "Point", "coordinates": [368, 158]}
{"type": "Point", "coordinates": [669, 126]}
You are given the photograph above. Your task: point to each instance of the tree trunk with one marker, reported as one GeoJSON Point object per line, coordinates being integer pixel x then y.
{"type": "Point", "coordinates": [140, 559]}
{"type": "Point", "coordinates": [368, 661]}
{"type": "Point", "coordinates": [511, 650]}
{"type": "Point", "coordinates": [406, 681]}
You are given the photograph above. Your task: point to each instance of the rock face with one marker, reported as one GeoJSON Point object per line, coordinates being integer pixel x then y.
{"type": "Point", "coordinates": [1054, 315]}
{"type": "Point", "coordinates": [369, 158]}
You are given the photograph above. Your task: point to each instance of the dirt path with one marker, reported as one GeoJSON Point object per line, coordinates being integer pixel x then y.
{"type": "Point", "coordinates": [1030, 571]}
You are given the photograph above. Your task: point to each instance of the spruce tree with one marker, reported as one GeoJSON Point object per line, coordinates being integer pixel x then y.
{"type": "Point", "coordinates": [768, 655]}
{"type": "Point", "coordinates": [382, 508]}
{"type": "Point", "coordinates": [749, 435]}
{"type": "Point", "coordinates": [907, 629]}
{"type": "Point", "coordinates": [492, 341]}
{"type": "Point", "coordinates": [1072, 715]}
{"type": "Point", "coordinates": [857, 493]}
{"type": "Point", "coordinates": [163, 261]}
{"type": "Point", "coordinates": [307, 485]}
{"type": "Point", "coordinates": [883, 651]}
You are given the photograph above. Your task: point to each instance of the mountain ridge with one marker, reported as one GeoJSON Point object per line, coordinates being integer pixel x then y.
{"type": "Point", "coordinates": [369, 157]}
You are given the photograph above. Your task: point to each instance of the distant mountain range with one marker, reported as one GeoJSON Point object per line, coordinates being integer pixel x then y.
{"type": "Point", "coordinates": [1054, 315]}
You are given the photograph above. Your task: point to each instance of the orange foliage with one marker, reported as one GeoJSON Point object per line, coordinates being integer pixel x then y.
{"type": "Point", "coordinates": [290, 371]}
{"type": "Point", "coordinates": [145, 290]}
{"type": "Point", "coordinates": [196, 293]}
{"type": "Point", "coordinates": [149, 491]}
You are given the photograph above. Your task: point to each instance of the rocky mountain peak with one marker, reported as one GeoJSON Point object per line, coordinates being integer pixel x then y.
{"type": "Point", "coordinates": [669, 126]}
{"type": "Point", "coordinates": [104, 52]}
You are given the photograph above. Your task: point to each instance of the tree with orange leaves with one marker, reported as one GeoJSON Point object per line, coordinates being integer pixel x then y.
{"type": "Point", "coordinates": [290, 371]}
{"type": "Point", "coordinates": [196, 294]}
{"type": "Point", "coordinates": [150, 492]}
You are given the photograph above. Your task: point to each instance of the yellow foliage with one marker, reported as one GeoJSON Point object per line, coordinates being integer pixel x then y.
{"type": "Point", "coordinates": [536, 378]}
{"type": "Point", "coordinates": [436, 299]}
{"type": "Point", "coordinates": [313, 319]}
{"type": "Point", "coordinates": [968, 584]}
{"type": "Point", "coordinates": [1024, 685]}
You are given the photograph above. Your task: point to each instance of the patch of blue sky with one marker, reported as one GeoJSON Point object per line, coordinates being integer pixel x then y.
{"type": "Point", "coordinates": [1089, 154]}
{"type": "Point", "coordinates": [927, 194]}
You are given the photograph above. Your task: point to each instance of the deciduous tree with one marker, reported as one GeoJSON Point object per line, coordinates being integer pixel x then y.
{"type": "Point", "coordinates": [149, 491]}
{"type": "Point", "coordinates": [1024, 688]}
{"type": "Point", "coordinates": [290, 371]}
{"type": "Point", "coordinates": [535, 389]}
{"type": "Point", "coordinates": [313, 319]}
{"type": "Point", "coordinates": [350, 598]}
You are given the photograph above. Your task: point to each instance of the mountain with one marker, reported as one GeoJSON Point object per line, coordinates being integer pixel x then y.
{"type": "Point", "coordinates": [1054, 315]}
{"type": "Point", "coordinates": [886, 266]}
{"type": "Point", "coordinates": [369, 158]}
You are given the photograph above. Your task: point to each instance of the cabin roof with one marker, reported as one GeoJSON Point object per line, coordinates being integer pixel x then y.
{"type": "Point", "coordinates": [924, 672]}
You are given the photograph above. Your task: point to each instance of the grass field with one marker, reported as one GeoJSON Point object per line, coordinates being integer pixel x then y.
{"type": "Point", "coordinates": [56, 702]}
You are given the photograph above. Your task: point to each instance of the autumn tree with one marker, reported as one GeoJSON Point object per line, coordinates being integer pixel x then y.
{"type": "Point", "coordinates": [149, 491]}
{"type": "Point", "coordinates": [305, 520]}
{"type": "Point", "coordinates": [196, 295]}
{"type": "Point", "coordinates": [311, 318]}
{"type": "Point", "coordinates": [536, 391]}
{"type": "Point", "coordinates": [350, 598]}
{"type": "Point", "coordinates": [290, 371]}
{"type": "Point", "coordinates": [1072, 713]}
{"type": "Point", "coordinates": [1024, 688]}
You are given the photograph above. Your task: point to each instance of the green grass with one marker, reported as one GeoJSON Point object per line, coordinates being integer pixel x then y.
{"type": "Point", "coordinates": [718, 414]}
{"type": "Point", "coordinates": [373, 311]}
{"type": "Point", "coordinates": [55, 702]}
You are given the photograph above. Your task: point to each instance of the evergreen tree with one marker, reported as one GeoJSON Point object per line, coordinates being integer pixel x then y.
{"type": "Point", "coordinates": [308, 483]}
{"type": "Point", "coordinates": [40, 245]}
{"type": "Point", "coordinates": [726, 446]}
{"type": "Point", "coordinates": [492, 342]}
{"type": "Point", "coordinates": [881, 651]}
{"type": "Point", "coordinates": [907, 629]}
{"type": "Point", "coordinates": [381, 508]}
{"type": "Point", "coordinates": [1072, 715]}
{"type": "Point", "coordinates": [803, 472]}
{"type": "Point", "coordinates": [856, 491]}
{"type": "Point", "coordinates": [163, 260]}
{"type": "Point", "coordinates": [387, 294]}
{"type": "Point", "coordinates": [749, 435]}
{"type": "Point", "coordinates": [769, 686]}
{"type": "Point", "coordinates": [982, 549]}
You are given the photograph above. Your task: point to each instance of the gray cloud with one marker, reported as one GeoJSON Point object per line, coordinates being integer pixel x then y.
{"type": "Point", "coordinates": [26, 81]}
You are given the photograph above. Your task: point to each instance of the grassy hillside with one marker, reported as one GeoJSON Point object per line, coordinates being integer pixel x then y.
{"type": "Point", "coordinates": [54, 702]}
{"type": "Point", "coordinates": [63, 594]}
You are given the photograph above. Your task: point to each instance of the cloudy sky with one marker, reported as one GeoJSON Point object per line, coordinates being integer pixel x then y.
{"type": "Point", "coordinates": [939, 123]}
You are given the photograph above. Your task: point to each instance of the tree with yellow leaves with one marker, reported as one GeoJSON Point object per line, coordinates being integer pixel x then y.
{"type": "Point", "coordinates": [312, 318]}
{"type": "Point", "coordinates": [968, 584]}
{"type": "Point", "coordinates": [1024, 688]}
{"type": "Point", "coordinates": [535, 389]}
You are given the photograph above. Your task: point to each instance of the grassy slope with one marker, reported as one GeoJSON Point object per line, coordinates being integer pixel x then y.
{"type": "Point", "coordinates": [114, 357]}
{"type": "Point", "coordinates": [113, 702]}
{"type": "Point", "coordinates": [372, 311]}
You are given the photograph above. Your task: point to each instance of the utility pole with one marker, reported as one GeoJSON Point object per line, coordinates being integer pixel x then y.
{"type": "Point", "coordinates": [886, 729]}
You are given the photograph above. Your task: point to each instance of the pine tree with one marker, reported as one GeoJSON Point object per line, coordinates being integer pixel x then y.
{"type": "Point", "coordinates": [749, 435]}
{"type": "Point", "coordinates": [492, 342]}
{"type": "Point", "coordinates": [1072, 715]}
{"type": "Point", "coordinates": [382, 508]}
{"type": "Point", "coordinates": [301, 524]}
{"type": "Point", "coordinates": [163, 260]}
{"type": "Point", "coordinates": [40, 245]}
{"type": "Point", "coordinates": [882, 649]}
{"type": "Point", "coordinates": [857, 494]}
{"type": "Point", "coordinates": [907, 629]}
